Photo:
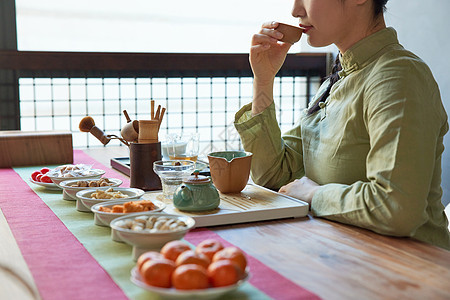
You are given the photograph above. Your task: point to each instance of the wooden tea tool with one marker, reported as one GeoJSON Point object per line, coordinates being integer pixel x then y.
{"type": "Point", "coordinates": [152, 112]}
{"type": "Point", "coordinates": [130, 131]}
{"type": "Point", "coordinates": [87, 124]}
{"type": "Point", "coordinates": [148, 131]}
{"type": "Point", "coordinates": [125, 113]}
{"type": "Point", "coordinates": [160, 117]}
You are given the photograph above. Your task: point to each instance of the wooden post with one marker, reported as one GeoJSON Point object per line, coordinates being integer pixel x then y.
{"type": "Point", "coordinates": [9, 80]}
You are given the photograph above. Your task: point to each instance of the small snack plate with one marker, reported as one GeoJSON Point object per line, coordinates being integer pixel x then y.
{"type": "Point", "coordinates": [209, 293]}
{"type": "Point", "coordinates": [92, 174]}
{"type": "Point", "coordinates": [103, 218]}
{"type": "Point", "coordinates": [166, 228]}
{"type": "Point", "coordinates": [71, 191]}
{"type": "Point", "coordinates": [50, 186]}
{"type": "Point", "coordinates": [85, 202]}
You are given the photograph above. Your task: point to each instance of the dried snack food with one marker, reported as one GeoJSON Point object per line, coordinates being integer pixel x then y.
{"type": "Point", "coordinates": [130, 207]}
{"type": "Point", "coordinates": [152, 224]}
{"type": "Point", "coordinates": [92, 183]}
{"type": "Point", "coordinates": [68, 171]}
{"type": "Point", "coordinates": [108, 194]}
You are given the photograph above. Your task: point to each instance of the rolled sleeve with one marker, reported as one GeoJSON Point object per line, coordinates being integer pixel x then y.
{"type": "Point", "coordinates": [277, 159]}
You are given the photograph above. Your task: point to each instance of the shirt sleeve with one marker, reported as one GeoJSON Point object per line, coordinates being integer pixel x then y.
{"type": "Point", "coordinates": [404, 117]}
{"type": "Point", "coordinates": [277, 159]}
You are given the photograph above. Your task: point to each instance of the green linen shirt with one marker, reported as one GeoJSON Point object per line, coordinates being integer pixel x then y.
{"type": "Point", "coordinates": [375, 145]}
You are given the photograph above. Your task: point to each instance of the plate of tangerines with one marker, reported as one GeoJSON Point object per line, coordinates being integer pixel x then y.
{"type": "Point", "coordinates": [178, 271]}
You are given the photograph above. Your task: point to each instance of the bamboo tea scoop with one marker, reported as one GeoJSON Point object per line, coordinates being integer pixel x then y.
{"type": "Point", "coordinates": [130, 131]}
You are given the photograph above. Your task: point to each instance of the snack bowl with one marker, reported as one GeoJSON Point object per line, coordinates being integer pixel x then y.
{"type": "Point", "coordinates": [165, 228]}
{"type": "Point", "coordinates": [172, 293]}
{"type": "Point", "coordinates": [71, 191]}
{"type": "Point", "coordinates": [103, 218]}
{"type": "Point", "coordinates": [47, 185]}
{"type": "Point", "coordinates": [85, 200]}
{"type": "Point", "coordinates": [80, 171]}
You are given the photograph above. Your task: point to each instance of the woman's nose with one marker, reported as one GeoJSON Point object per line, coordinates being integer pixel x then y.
{"type": "Point", "coordinates": [298, 9]}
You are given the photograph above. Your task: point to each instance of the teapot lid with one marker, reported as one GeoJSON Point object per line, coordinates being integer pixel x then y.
{"type": "Point", "coordinates": [197, 179]}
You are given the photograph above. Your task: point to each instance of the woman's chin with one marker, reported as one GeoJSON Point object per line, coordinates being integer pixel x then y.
{"type": "Point", "coordinates": [317, 43]}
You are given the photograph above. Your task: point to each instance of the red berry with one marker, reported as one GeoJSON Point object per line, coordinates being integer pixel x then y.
{"type": "Point", "coordinates": [38, 177]}
{"type": "Point", "coordinates": [44, 170]}
{"type": "Point", "coordinates": [34, 174]}
{"type": "Point", "coordinates": [46, 179]}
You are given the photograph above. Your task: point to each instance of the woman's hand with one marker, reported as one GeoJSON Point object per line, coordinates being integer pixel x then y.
{"type": "Point", "coordinates": [267, 54]}
{"type": "Point", "coordinates": [303, 189]}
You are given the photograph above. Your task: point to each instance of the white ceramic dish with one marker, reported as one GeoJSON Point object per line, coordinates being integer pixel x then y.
{"type": "Point", "coordinates": [104, 218]}
{"type": "Point", "coordinates": [85, 202]}
{"type": "Point", "coordinates": [94, 173]}
{"type": "Point", "coordinates": [145, 241]}
{"type": "Point", "coordinates": [172, 293]}
{"type": "Point", "coordinates": [50, 186]}
{"type": "Point", "coordinates": [70, 191]}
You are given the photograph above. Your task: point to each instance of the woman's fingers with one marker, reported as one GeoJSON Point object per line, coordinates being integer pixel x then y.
{"type": "Point", "coordinates": [284, 189]}
{"type": "Point", "coordinates": [263, 38]}
{"type": "Point", "coordinates": [256, 49]}
{"type": "Point", "coordinates": [267, 36]}
{"type": "Point", "coordinates": [272, 33]}
{"type": "Point", "coordinates": [261, 42]}
{"type": "Point", "coordinates": [270, 25]}
{"type": "Point", "coordinates": [267, 53]}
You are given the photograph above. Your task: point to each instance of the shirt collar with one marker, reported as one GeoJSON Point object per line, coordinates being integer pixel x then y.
{"type": "Point", "coordinates": [365, 51]}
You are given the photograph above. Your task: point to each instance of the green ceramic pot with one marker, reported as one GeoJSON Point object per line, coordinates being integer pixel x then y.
{"type": "Point", "coordinates": [197, 193]}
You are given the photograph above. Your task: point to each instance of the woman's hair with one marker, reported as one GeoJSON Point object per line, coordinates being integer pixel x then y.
{"type": "Point", "coordinates": [334, 76]}
{"type": "Point", "coordinates": [379, 6]}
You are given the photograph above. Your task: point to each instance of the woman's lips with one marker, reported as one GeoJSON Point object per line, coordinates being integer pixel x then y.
{"type": "Point", "coordinates": [305, 28]}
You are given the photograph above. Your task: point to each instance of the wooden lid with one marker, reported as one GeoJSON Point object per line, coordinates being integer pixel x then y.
{"type": "Point", "coordinates": [197, 179]}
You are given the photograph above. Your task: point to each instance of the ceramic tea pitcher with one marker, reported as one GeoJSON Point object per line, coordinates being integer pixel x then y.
{"type": "Point", "coordinates": [230, 170]}
{"type": "Point", "coordinates": [196, 194]}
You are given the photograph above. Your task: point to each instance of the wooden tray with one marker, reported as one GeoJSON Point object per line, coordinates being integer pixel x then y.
{"type": "Point", "coordinates": [254, 203]}
{"type": "Point", "coordinates": [122, 164]}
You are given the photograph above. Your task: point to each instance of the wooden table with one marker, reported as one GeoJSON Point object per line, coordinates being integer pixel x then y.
{"type": "Point", "coordinates": [333, 260]}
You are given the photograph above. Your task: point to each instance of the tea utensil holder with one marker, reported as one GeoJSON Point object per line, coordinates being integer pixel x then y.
{"type": "Point", "coordinates": [142, 157]}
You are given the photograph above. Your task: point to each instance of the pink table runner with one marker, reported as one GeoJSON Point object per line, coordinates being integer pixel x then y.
{"type": "Point", "coordinates": [59, 263]}
{"type": "Point", "coordinates": [47, 248]}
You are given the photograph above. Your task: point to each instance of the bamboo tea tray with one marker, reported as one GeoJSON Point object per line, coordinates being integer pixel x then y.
{"type": "Point", "coordinates": [254, 203]}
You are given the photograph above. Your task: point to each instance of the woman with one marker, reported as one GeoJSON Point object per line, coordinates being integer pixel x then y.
{"type": "Point", "coordinates": [367, 151]}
